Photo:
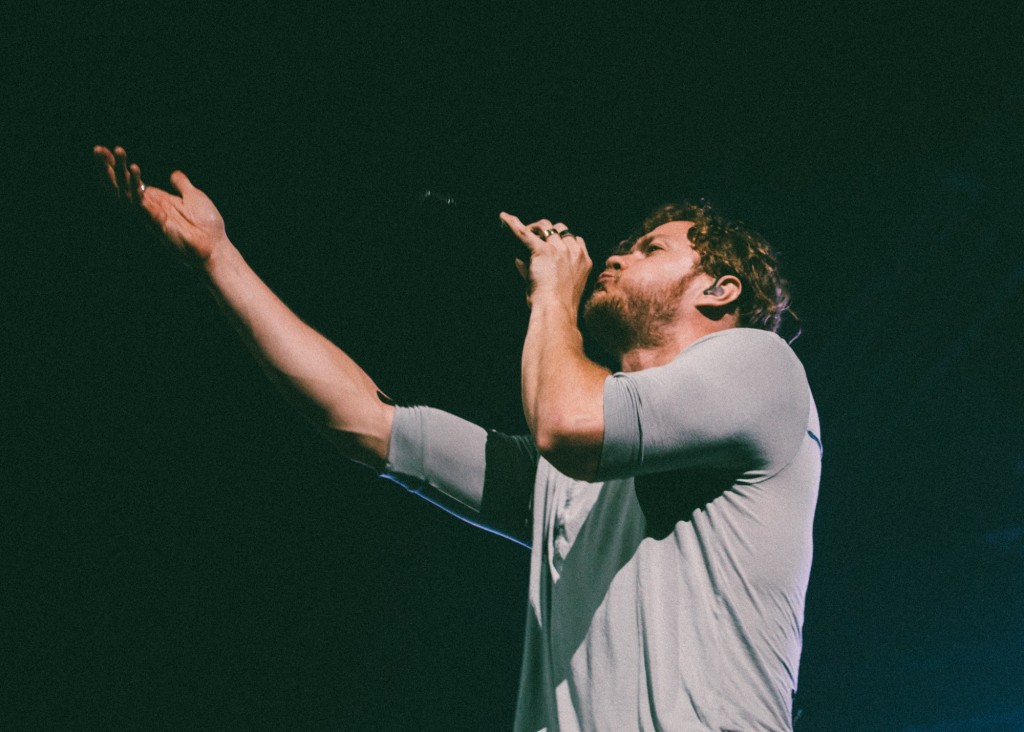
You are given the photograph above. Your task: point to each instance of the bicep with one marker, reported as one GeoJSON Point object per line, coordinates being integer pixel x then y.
{"type": "Point", "coordinates": [739, 404]}
{"type": "Point", "coordinates": [485, 478]}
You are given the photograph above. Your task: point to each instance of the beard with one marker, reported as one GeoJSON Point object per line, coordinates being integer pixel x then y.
{"type": "Point", "coordinates": [625, 320]}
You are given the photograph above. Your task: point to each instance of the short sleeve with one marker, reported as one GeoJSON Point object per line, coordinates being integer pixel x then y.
{"type": "Point", "coordinates": [737, 400]}
{"type": "Point", "coordinates": [429, 446]}
{"type": "Point", "coordinates": [484, 477]}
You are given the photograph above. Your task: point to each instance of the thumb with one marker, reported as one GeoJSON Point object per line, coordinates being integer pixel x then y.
{"type": "Point", "coordinates": [523, 268]}
{"type": "Point", "coordinates": [181, 183]}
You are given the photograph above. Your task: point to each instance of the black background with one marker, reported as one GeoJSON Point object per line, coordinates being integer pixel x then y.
{"type": "Point", "coordinates": [180, 551]}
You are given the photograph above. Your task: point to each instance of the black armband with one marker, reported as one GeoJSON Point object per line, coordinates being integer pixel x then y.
{"type": "Point", "coordinates": [507, 503]}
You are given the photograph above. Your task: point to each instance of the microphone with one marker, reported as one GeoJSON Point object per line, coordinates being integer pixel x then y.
{"type": "Point", "coordinates": [441, 208]}
{"type": "Point", "coordinates": [434, 198]}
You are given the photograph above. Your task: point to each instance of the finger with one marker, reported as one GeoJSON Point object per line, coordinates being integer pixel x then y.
{"type": "Point", "coordinates": [103, 155]}
{"type": "Point", "coordinates": [563, 231]}
{"type": "Point", "coordinates": [121, 175]}
{"type": "Point", "coordinates": [137, 186]}
{"type": "Point", "coordinates": [570, 238]}
{"type": "Point", "coordinates": [527, 237]}
{"type": "Point", "coordinates": [181, 183]}
{"type": "Point", "coordinates": [586, 252]}
{"type": "Point", "coordinates": [511, 221]}
{"type": "Point", "coordinates": [523, 268]}
{"type": "Point", "coordinates": [105, 163]}
{"type": "Point", "coordinates": [542, 228]}
{"type": "Point", "coordinates": [158, 205]}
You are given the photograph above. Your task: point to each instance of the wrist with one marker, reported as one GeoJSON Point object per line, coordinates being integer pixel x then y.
{"type": "Point", "coordinates": [556, 300]}
{"type": "Point", "coordinates": [221, 256]}
{"type": "Point", "coordinates": [555, 320]}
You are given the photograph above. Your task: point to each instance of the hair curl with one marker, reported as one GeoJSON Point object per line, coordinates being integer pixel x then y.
{"type": "Point", "coordinates": [728, 247]}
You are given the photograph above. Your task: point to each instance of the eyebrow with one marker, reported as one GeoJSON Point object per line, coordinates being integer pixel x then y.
{"type": "Point", "coordinates": [630, 243]}
{"type": "Point", "coordinates": [648, 239]}
{"type": "Point", "coordinates": [624, 246]}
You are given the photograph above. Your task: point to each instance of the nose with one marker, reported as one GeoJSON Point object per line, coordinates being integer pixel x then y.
{"type": "Point", "coordinates": [615, 261]}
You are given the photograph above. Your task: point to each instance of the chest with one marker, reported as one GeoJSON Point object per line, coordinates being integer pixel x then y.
{"type": "Point", "coordinates": [587, 520]}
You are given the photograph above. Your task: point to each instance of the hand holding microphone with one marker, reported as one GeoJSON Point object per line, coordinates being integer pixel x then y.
{"type": "Point", "coordinates": [559, 263]}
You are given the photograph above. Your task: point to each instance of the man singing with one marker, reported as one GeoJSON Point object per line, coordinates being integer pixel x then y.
{"type": "Point", "coordinates": [668, 506]}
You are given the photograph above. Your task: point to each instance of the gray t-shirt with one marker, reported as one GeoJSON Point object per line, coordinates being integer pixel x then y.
{"type": "Point", "coordinates": [670, 594]}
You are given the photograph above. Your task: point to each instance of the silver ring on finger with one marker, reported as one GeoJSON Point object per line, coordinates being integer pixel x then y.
{"type": "Point", "coordinates": [565, 232]}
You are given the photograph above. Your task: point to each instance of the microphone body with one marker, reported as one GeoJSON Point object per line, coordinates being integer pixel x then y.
{"type": "Point", "coordinates": [443, 208]}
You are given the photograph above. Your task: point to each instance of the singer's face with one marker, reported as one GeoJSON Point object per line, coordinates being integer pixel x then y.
{"type": "Point", "coordinates": [645, 289]}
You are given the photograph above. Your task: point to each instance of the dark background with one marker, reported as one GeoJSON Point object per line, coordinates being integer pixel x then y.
{"type": "Point", "coordinates": [180, 551]}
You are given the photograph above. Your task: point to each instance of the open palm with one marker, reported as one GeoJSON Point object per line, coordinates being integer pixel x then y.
{"type": "Point", "coordinates": [186, 219]}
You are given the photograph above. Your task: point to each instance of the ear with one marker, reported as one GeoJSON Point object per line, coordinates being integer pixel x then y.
{"type": "Point", "coordinates": [724, 291]}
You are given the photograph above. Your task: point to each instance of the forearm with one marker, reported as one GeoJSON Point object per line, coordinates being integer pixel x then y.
{"type": "Point", "coordinates": [563, 390]}
{"type": "Point", "coordinates": [326, 385]}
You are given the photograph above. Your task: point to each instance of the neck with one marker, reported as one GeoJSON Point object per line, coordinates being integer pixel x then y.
{"type": "Point", "coordinates": [647, 357]}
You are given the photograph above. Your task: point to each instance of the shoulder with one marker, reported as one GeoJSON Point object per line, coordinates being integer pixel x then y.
{"type": "Point", "coordinates": [746, 373]}
{"type": "Point", "coordinates": [739, 342]}
{"type": "Point", "coordinates": [751, 368]}
{"type": "Point", "coordinates": [738, 397]}
{"type": "Point", "coordinates": [738, 354]}
{"type": "Point", "coordinates": [755, 354]}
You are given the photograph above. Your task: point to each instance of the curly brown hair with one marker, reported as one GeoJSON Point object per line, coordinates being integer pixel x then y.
{"type": "Point", "coordinates": [728, 247]}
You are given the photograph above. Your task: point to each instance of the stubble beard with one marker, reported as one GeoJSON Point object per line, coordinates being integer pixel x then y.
{"type": "Point", "coordinates": [624, 321]}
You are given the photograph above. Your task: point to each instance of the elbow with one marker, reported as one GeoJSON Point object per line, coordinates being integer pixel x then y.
{"type": "Point", "coordinates": [552, 440]}
{"type": "Point", "coordinates": [575, 453]}
{"type": "Point", "coordinates": [366, 440]}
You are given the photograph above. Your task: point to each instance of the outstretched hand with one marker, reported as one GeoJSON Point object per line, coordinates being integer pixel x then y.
{"type": "Point", "coordinates": [186, 219]}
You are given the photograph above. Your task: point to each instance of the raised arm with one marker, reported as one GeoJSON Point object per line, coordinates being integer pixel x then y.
{"type": "Point", "coordinates": [562, 388]}
{"type": "Point", "coordinates": [327, 386]}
